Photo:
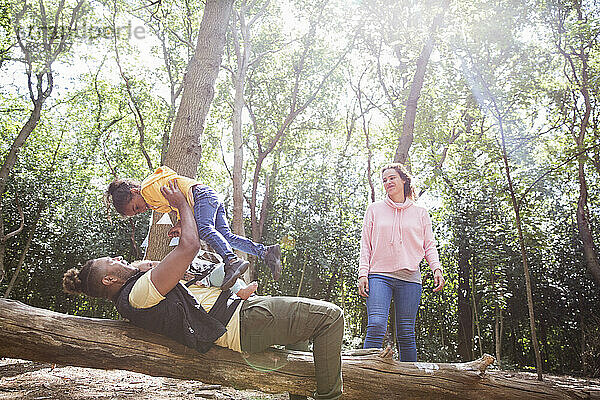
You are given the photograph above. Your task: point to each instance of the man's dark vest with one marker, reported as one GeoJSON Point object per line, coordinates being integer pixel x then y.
{"type": "Point", "coordinates": [179, 315]}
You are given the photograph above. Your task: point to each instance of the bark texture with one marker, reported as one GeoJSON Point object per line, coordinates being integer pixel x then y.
{"type": "Point", "coordinates": [583, 220]}
{"type": "Point", "coordinates": [184, 151]}
{"type": "Point", "coordinates": [46, 336]}
{"type": "Point", "coordinates": [408, 124]}
{"type": "Point", "coordinates": [465, 312]}
{"type": "Point", "coordinates": [577, 62]}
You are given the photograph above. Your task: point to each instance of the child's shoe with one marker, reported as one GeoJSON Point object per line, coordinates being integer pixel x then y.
{"type": "Point", "coordinates": [234, 268]}
{"type": "Point", "coordinates": [273, 260]}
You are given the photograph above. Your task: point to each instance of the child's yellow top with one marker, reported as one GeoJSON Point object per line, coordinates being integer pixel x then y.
{"type": "Point", "coordinates": [151, 189]}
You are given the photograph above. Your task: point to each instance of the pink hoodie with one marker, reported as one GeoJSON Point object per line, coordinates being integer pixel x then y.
{"type": "Point", "coordinates": [396, 236]}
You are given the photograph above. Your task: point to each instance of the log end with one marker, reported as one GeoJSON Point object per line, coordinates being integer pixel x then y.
{"type": "Point", "coordinates": [480, 364]}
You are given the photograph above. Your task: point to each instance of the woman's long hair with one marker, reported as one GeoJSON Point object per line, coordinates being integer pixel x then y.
{"type": "Point", "coordinates": [409, 189]}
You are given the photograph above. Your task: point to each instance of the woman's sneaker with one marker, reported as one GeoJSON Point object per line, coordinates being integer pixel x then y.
{"type": "Point", "coordinates": [273, 260]}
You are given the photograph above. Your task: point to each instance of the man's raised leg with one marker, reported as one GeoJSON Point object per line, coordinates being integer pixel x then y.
{"type": "Point", "coordinates": [265, 321]}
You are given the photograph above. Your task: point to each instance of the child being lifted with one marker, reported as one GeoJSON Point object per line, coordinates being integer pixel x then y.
{"type": "Point", "coordinates": [130, 198]}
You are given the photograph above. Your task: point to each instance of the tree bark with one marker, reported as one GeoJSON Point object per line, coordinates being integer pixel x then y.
{"type": "Point", "coordinates": [498, 325]}
{"type": "Point", "coordinates": [465, 313]}
{"type": "Point", "coordinates": [243, 50]}
{"type": "Point", "coordinates": [475, 313]}
{"type": "Point", "coordinates": [585, 232]}
{"type": "Point", "coordinates": [408, 124]}
{"type": "Point", "coordinates": [583, 224]}
{"type": "Point", "coordinates": [46, 336]}
{"type": "Point", "coordinates": [581, 78]}
{"type": "Point", "coordinates": [198, 89]}
{"type": "Point", "coordinates": [184, 151]}
{"type": "Point", "coordinates": [534, 340]}
{"type": "Point", "coordinates": [13, 279]}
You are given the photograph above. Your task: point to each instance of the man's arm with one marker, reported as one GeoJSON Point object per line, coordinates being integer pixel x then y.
{"type": "Point", "coordinates": [171, 269]}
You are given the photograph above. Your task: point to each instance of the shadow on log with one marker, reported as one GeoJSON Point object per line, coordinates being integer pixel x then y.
{"type": "Point", "coordinates": [40, 335]}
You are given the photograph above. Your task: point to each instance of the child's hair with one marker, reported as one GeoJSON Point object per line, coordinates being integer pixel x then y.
{"type": "Point", "coordinates": [86, 281]}
{"type": "Point", "coordinates": [409, 189]}
{"type": "Point", "coordinates": [119, 193]}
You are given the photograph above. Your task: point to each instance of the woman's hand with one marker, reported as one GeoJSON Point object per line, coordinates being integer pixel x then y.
{"type": "Point", "coordinates": [439, 280]}
{"type": "Point", "coordinates": [363, 286]}
{"type": "Point", "coordinates": [172, 193]}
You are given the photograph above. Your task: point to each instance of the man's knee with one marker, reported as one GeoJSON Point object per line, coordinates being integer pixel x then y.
{"type": "Point", "coordinates": [336, 316]}
{"type": "Point", "coordinates": [337, 313]}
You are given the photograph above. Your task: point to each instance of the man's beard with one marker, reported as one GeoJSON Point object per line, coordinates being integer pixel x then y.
{"type": "Point", "coordinates": [126, 273]}
{"type": "Point", "coordinates": [137, 263]}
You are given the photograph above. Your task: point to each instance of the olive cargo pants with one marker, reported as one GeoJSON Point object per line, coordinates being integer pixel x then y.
{"type": "Point", "coordinates": [265, 321]}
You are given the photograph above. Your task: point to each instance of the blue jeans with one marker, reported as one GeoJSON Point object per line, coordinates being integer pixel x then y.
{"type": "Point", "coordinates": [407, 297]}
{"type": "Point", "coordinates": [213, 228]}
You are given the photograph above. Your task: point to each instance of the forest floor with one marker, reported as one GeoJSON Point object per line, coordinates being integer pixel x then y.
{"type": "Point", "coordinates": [27, 380]}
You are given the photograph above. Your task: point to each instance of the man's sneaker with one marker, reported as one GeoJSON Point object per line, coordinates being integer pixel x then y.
{"type": "Point", "coordinates": [233, 270]}
{"type": "Point", "coordinates": [273, 260]}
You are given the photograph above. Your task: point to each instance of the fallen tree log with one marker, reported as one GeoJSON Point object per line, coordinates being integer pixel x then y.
{"type": "Point", "coordinates": [40, 335]}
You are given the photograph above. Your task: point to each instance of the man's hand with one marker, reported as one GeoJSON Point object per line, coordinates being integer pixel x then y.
{"type": "Point", "coordinates": [172, 193]}
{"type": "Point", "coordinates": [166, 275]}
{"type": "Point", "coordinates": [175, 231]}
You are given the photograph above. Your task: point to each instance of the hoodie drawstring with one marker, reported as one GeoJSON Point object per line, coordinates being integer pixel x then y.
{"type": "Point", "coordinates": [394, 227]}
{"type": "Point", "coordinates": [397, 225]}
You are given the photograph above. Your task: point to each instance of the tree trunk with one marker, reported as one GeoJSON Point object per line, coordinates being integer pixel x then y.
{"type": "Point", "coordinates": [583, 224]}
{"type": "Point", "coordinates": [534, 340]}
{"type": "Point", "coordinates": [184, 152]}
{"type": "Point", "coordinates": [369, 161]}
{"type": "Point", "coordinates": [582, 79]}
{"type": "Point", "coordinates": [583, 349]}
{"type": "Point", "coordinates": [585, 232]}
{"type": "Point", "coordinates": [465, 313]}
{"type": "Point", "coordinates": [498, 333]}
{"type": "Point", "coordinates": [243, 50]}
{"type": "Point", "coordinates": [9, 163]}
{"type": "Point", "coordinates": [198, 89]}
{"type": "Point", "coordinates": [238, 160]}
{"type": "Point", "coordinates": [239, 82]}
{"type": "Point", "coordinates": [408, 124]}
{"type": "Point", "coordinates": [46, 336]}
{"type": "Point", "coordinates": [26, 130]}
{"type": "Point", "coordinates": [13, 279]}
{"type": "Point", "coordinates": [475, 313]}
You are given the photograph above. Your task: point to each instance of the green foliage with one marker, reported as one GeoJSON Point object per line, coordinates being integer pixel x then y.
{"type": "Point", "coordinates": [491, 62]}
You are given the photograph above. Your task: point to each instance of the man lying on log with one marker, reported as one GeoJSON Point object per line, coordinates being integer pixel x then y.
{"type": "Point", "coordinates": [151, 296]}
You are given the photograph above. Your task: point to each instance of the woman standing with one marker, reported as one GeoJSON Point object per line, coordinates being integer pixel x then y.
{"type": "Point", "coordinates": [396, 235]}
